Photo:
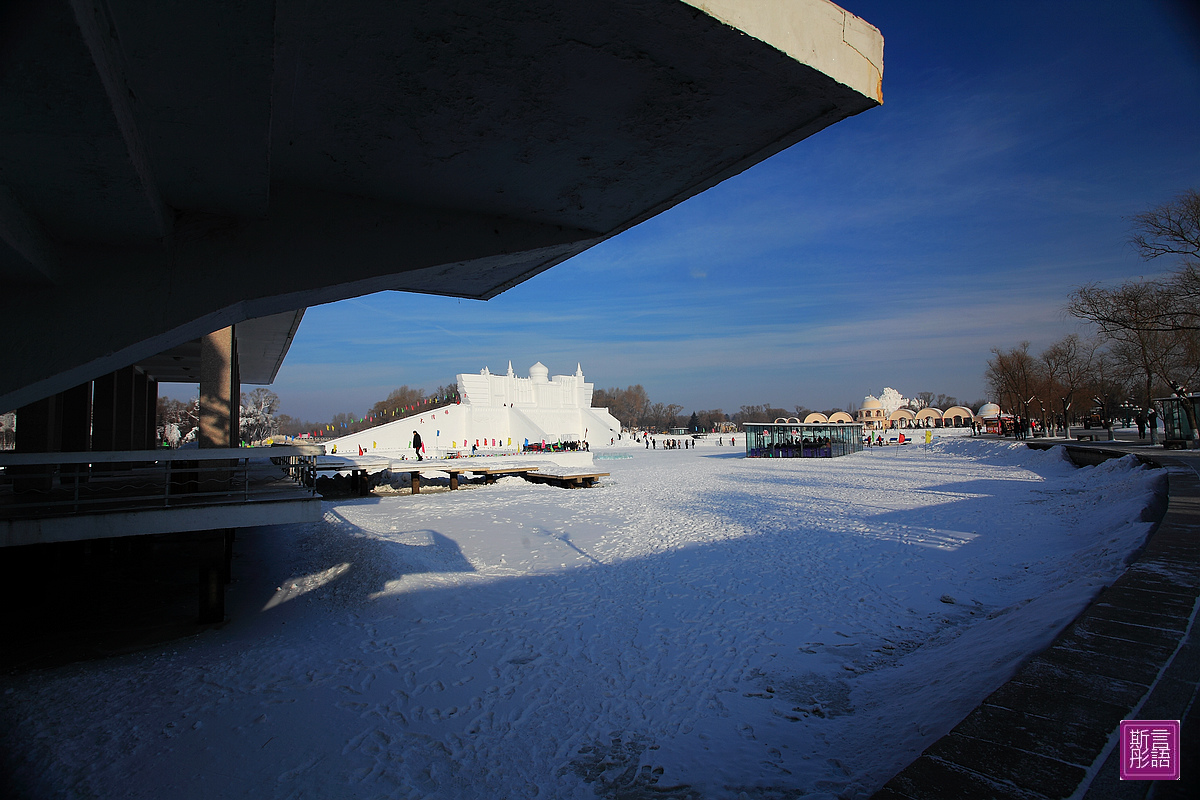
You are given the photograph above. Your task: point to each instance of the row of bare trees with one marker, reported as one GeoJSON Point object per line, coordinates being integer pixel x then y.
{"type": "Point", "coordinates": [633, 408]}
{"type": "Point", "coordinates": [400, 402]}
{"type": "Point", "coordinates": [1147, 332]}
{"type": "Point", "coordinates": [1061, 385]}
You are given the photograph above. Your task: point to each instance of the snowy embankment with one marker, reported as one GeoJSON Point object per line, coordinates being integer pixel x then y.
{"type": "Point", "coordinates": [700, 620]}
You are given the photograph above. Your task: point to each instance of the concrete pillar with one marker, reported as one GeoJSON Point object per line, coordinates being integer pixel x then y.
{"type": "Point", "coordinates": [151, 413]}
{"type": "Point", "coordinates": [39, 430]}
{"type": "Point", "coordinates": [76, 429]}
{"type": "Point", "coordinates": [220, 389]}
{"type": "Point", "coordinates": [215, 551]}
{"type": "Point", "coordinates": [227, 562]}
{"type": "Point", "coordinates": [104, 412]}
{"type": "Point", "coordinates": [77, 419]}
{"type": "Point", "coordinates": [39, 426]}
{"type": "Point", "coordinates": [138, 411]}
{"type": "Point", "coordinates": [211, 599]}
{"type": "Point", "coordinates": [123, 393]}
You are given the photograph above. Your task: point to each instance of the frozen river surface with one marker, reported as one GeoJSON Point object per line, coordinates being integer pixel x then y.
{"type": "Point", "coordinates": [699, 625]}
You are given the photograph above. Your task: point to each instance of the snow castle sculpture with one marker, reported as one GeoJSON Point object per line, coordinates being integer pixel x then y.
{"type": "Point", "coordinates": [497, 413]}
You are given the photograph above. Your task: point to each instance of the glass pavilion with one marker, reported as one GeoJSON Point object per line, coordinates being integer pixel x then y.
{"type": "Point", "coordinates": [798, 440]}
{"type": "Point", "coordinates": [1177, 431]}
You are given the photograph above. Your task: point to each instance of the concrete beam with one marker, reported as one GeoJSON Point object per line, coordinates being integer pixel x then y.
{"type": "Point", "coordinates": [32, 257]}
{"type": "Point", "coordinates": [221, 55]}
{"type": "Point", "coordinates": [99, 34]}
{"type": "Point", "coordinates": [69, 150]}
{"type": "Point", "coordinates": [814, 32]}
{"type": "Point", "coordinates": [199, 164]}
{"type": "Point", "coordinates": [161, 520]}
{"type": "Point", "coordinates": [329, 247]}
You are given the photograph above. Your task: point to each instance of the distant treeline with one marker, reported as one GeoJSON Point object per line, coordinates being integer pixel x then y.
{"type": "Point", "coordinates": [631, 405]}
{"type": "Point", "coordinates": [633, 408]}
{"type": "Point", "coordinates": [402, 402]}
{"type": "Point", "coordinates": [260, 417]}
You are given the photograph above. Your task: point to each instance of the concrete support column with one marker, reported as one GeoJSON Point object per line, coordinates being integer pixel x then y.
{"type": "Point", "coordinates": [211, 598]}
{"type": "Point", "coordinates": [76, 429]}
{"type": "Point", "coordinates": [39, 430]}
{"type": "Point", "coordinates": [220, 389]}
{"type": "Point", "coordinates": [123, 392]}
{"type": "Point", "coordinates": [138, 410]}
{"type": "Point", "coordinates": [151, 413]}
{"type": "Point", "coordinates": [104, 412]}
{"type": "Point", "coordinates": [39, 426]}
{"type": "Point", "coordinates": [215, 550]}
{"type": "Point", "coordinates": [77, 418]}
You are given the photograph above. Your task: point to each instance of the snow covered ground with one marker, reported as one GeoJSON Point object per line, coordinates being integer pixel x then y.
{"type": "Point", "coordinates": [724, 626]}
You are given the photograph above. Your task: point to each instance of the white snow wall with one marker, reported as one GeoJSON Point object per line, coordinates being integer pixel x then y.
{"type": "Point", "coordinates": [502, 429]}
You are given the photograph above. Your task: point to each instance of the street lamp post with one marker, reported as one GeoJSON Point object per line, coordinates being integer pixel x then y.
{"type": "Point", "coordinates": [1104, 420]}
{"type": "Point", "coordinates": [1182, 393]}
{"type": "Point", "coordinates": [1128, 409]}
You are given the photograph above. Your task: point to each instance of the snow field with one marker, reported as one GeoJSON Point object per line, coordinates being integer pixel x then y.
{"type": "Point", "coordinates": [699, 625]}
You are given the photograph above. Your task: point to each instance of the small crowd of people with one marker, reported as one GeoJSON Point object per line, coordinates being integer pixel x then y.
{"type": "Point", "coordinates": [670, 444]}
{"type": "Point", "coordinates": [555, 447]}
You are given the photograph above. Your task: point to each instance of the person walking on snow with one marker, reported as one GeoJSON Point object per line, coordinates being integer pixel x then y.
{"type": "Point", "coordinates": [417, 445]}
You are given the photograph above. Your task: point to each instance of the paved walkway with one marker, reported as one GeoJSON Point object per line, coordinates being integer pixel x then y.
{"type": "Point", "coordinates": [1051, 731]}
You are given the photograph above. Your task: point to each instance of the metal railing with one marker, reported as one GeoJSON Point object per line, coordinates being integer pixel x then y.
{"type": "Point", "coordinates": [36, 485]}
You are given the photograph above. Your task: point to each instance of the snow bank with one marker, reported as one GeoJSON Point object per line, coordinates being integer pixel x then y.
{"type": "Point", "coordinates": [700, 619]}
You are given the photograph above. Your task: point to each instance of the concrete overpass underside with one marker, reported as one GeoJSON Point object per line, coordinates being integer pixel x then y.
{"type": "Point", "coordinates": [180, 180]}
{"type": "Point", "coordinates": [171, 169]}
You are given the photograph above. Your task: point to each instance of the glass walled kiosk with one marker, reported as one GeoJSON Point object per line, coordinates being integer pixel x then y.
{"type": "Point", "coordinates": [1177, 431]}
{"type": "Point", "coordinates": [798, 440]}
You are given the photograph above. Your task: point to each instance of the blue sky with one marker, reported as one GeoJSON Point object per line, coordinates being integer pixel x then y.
{"type": "Point", "coordinates": [892, 249]}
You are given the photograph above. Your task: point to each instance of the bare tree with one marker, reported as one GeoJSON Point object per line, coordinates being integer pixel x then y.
{"type": "Point", "coordinates": [1130, 318]}
{"type": "Point", "coordinates": [630, 405]}
{"type": "Point", "coordinates": [258, 414]}
{"type": "Point", "coordinates": [1067, 366]}
{"type": "Point", "coordinates": [8, 430]}
{"type": "Point", "coordinates": [1153, 325]}
{"type": "Point", "coordinates": [1014, 378]}
{"type": "Point", "coordinates": [1172, 229]}
{"type": "Point", "coordinates": [944, 401]}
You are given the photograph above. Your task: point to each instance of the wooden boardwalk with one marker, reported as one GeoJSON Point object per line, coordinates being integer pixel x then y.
{"type": "Point", "coordinates": [1051, 731]}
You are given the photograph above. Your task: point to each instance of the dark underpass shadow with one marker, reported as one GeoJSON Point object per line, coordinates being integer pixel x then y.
{"type": "Point", "coordinates": [80, 601]}
{"type": "Point", "coordinates": [74, 601]}
{"type": "Point", "coordinates": [341, 566]}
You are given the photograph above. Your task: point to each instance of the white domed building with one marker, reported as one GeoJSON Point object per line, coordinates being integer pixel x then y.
{"type": "Point", "coordinates": [892, 410]}
{"type": "Point", "coordinates": [872, 413]}
{"type": "Point", "coordinates": [988, 411]}
{"type": "Point", "coordinates": [989, 417]}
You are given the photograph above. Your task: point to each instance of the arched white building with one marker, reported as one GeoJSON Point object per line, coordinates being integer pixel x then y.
{"type": "Point", "coordinates": [891, 410]}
